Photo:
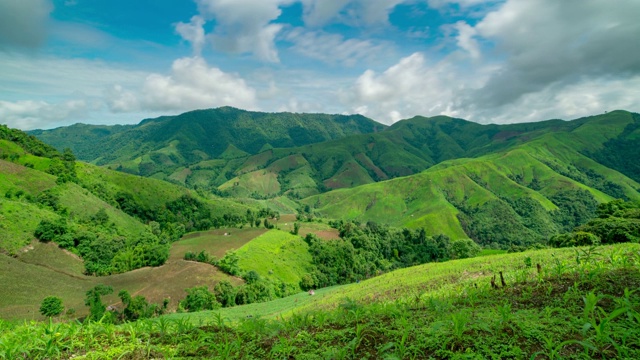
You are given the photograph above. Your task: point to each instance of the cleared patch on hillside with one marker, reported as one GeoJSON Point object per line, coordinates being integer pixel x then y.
{"type": "Point", "coordinates": [50, 271]}
{"type": "Point", "coordinates": [276, 255]}
{"type": "Point", "coordinates": [215, 242]}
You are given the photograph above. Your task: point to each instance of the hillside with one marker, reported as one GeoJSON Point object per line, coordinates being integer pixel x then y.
{"type": "Point", "coordinates": [515, 196]}
{"type": "Point", "coordinates": [162, 147]}
{"type": "Point", "coordinates": [114, 221]}
{"type": "Point", "coordinates": [568, 303]}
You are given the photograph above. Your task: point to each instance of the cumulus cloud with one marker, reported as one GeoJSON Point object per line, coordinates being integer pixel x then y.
{"type": "Point", "coordinates": [193, 32]}
{"type": "Point", "coordinates": [28, 115]}
{"type": "Point", "coordinates": [550, 42]}
{"type": "Point", "coordinates": [192, 84]}
{"type": "Point", "coordinates": [411, 87]}
{"type": "Point", "coordinates": [353, 12]}
{"type": "Point", "coordinates": [244, 26]}
{"type": "Point", "coordinates": [332, 48]}
{"type": "Point", "coordinates": [23, 23]}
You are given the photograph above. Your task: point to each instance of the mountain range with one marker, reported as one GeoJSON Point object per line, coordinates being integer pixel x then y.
{"type": "Point", "coordinates": [498, 184]}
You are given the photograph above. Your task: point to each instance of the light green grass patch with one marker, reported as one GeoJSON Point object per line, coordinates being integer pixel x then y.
{"type": "Point", "coordinates": [276, 255]}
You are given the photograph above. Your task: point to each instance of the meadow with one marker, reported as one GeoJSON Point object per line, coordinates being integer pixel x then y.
{"type": "Point", "coordinates": [578, 303]}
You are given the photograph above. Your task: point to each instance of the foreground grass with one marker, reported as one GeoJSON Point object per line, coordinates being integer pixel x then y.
{"type": "Point", "coordinates": [583, 304]}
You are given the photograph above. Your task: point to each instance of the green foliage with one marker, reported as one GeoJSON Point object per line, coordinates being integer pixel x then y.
{"type": "Point", "coordinates": [93, 300]}
{"type": "Point", "coordinates": [51, 230]}
{"type": "Point", "coordinates": [586, 310]}
{"type": "Point", "coordinates": [199, 298]}
{"type": "Point", "coordinates": [617, 222]}
{"type": "Point", "coordinates": [464, 248]}
{"type": "Point", "coordinates": [51, 306]}
{"type": "Point", "coordinates": [225, 293]}
{"type": "Point", "coordinates": [138, 308]}
{"type": "Point", "coordinates": [229, 263]}
{"type": "Point", "coordinates": [363, 252]}
{"type": "Point", "coordinates": [28, 142]}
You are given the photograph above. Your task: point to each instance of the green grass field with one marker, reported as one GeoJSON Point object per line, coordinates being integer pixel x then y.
{"type": "Point", "coordinates": [276, 255]}
{"type": "Point", "coordinates": [215, 242]}
{"type": "Point", "coordinates": [583, 303]}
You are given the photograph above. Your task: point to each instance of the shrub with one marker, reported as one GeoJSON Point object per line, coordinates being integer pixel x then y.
{"type": "Point", "coordinates": [51, 306]}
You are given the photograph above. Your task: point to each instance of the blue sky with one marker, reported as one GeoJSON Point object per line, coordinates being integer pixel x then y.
{"type": "Point", "coordinates": [490, 61]}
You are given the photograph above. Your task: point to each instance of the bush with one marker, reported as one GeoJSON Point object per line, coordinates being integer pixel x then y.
{"type": "Point", "coordinates": [51, 306]}
{"type": "Point", "coordinates": [464, 248]}
{"type": "Point", "coordinates": [199, 298]}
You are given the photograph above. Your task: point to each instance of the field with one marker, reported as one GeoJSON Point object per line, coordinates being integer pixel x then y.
{"type": "Point", "coordinates": [578, 303]}
{"type": "Point", "coordinates": [45, 270]}
{"type": "Point", "coordinates": [215, 242]}
{"type": "Point", "coordinates": [276, 255]}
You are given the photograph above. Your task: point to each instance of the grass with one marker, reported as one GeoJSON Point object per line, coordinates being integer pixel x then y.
{"type": "Point", "coordinates": [276, 255]}
{"type": "Point", "coordinates": [47, 270]}
{"type": "Point", "coordinates": [270, 310]}
{"type": "Point", "coordinates": [215, 242]}
{"type": "Point", "coordinates": [583, 304]}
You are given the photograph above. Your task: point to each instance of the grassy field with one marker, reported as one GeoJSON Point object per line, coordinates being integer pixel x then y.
{"type": "Point", "coordinates": [276, 255]}
{"type": "Point", "coordinates": [582, 303]}
{"type": "Point", "coordinates": [215, 242]}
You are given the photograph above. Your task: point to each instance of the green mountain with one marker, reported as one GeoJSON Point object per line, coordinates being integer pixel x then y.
{"type": "Point", "coordinates": [87, 209]}
{"type": "Point", "coordinates": [528, 186]}
{"type": "Point", "coordinates": [504, 185]}
{"type": "Point", "coordinates": [162, 147]}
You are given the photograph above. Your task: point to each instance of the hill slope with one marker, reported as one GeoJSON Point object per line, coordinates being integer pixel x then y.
{"type": "Point", "coordinates": [161, 146]}
{"type": "Point", "coordinates": [515, 196]}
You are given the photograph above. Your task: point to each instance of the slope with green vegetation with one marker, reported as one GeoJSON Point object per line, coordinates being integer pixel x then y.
{"type": "Point", "coordinates": [77, 199]}
{"type": "Point", "coordinates": [163, 146]}
{"type": "Point", "coordinates": [567, 303]}
{"type": "Point", "coordinates": [517, 196]}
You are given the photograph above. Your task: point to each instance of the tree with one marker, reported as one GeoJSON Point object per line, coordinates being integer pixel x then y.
{"type": "Point", "coordinates": [464, 248]}
{"type": "Point", "coordinates": [51, 306]}
{"type": "Point", "coordinates": [94, 302]}
{"type": "Point", "coordinates": [225, 293]}
{"type": "Point", "coordinates": [296, 228]}
{"type": "Point", "coordinates": [199, 298]}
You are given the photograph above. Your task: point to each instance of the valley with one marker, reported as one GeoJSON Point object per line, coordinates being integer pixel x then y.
{"type": "Point", "coordinates": [379, 223]}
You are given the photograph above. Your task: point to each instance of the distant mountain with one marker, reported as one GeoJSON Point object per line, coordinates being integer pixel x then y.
{"type": "Point", "coordinates": [160, 146]}
{"type": "Point", "coordinates": [528, 185]}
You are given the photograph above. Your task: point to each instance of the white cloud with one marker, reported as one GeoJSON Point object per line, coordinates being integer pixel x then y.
{"type": "Point", "coordinates": [584, 98]}
{"type": "Point", "coordinates": [244, 26]}
{"type": "Point", "coordinates": [558, 42]}
{"type": "Point", "coordinates": [193, 32]}
{"type": "Point", "coordinates": [353, 12]}
{"type": "Point", "coordinates": [193, 84]}
{"type": "Point", "coordinates": [466, 39]}
{"type": "Point", "coordinates": [23, 23]}
{"type": "Point", "coordinates": [28, 115]}
{"type": "Point", "coordinates": [333, 48]}
{"type": "Point", "coordinates": [411, 87]}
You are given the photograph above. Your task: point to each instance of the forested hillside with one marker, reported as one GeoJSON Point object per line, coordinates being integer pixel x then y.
{"type": "Point", "coordinates": [519, 195]}
{"type": "Point", "coordinates": [114, 221]}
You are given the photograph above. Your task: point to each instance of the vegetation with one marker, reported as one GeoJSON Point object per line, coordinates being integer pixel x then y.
{"type": "Point", "coordinates": [568, 309]}
{"type": "Point", "coordinates": [617, 222]}
{"type": "Point", "coordinates": [415, 266]}
{"type": "Point", "coordinates": [51, 306]}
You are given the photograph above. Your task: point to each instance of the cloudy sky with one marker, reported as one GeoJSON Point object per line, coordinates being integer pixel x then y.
{"type": "Point", "coordinates": [490, 61]}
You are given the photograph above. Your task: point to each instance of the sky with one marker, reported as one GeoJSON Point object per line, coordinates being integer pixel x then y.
{"type": "Point", "coordinates": [489, 61]}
